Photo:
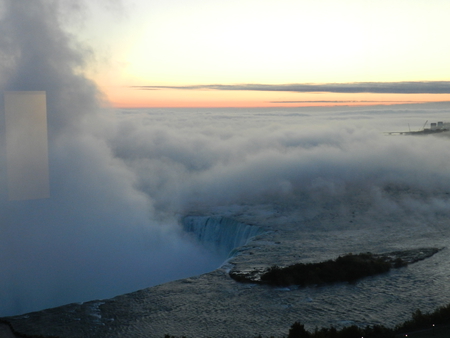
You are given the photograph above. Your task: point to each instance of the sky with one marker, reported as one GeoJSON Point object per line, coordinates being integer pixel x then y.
{"type": "Point", "coordinates": [151, 53]}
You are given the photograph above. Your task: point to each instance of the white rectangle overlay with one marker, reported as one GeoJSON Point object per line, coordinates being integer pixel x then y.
{"type": "Point", "coordinates": [26, 145]}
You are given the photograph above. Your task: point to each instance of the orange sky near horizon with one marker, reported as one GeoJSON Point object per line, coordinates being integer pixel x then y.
{"type": "Point", "coordinates": [175, 43]}
{"type": "Point", "coordinates": [125, 97]}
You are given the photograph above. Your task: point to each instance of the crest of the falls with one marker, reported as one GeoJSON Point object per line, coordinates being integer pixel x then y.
{"type": "Point", "coordinates": [220, 234]}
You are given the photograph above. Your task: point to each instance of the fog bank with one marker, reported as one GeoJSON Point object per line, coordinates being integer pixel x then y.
{"type": "Point", "coordinates": [121, 179]}
{"type": "Point", "coordinates": [96, 236]}
{"type": "Point", "coordinates": [188, 159]}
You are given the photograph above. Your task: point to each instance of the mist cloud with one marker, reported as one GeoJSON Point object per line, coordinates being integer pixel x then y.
{"type": "Point", "coordinates": [120, 180]}
{"type": "Point", "coordinates": [97, 235]}
{"type": "Point", "coordinates": [261, 158]}
{"type": "Point", "coordinates": [194, 160]}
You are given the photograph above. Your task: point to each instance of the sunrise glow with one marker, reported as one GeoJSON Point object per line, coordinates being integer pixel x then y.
{"type": "Point", "coordinates": [266, 42]}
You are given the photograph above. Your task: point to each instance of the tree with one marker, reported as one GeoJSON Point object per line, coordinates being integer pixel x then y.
{"type": "Point", "coordinates": [297, 330]}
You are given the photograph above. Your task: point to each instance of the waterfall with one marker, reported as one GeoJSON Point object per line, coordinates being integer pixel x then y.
{"type": "Point", "coordinates": [219, 234]}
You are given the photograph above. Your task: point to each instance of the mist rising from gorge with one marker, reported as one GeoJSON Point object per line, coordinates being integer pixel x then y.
{"type": "Point", "coordinates": [207, 157]}
{"type": "Point", "coordinates": [120, 180]}
{"type": "Point", "coordinates": [97, 235]}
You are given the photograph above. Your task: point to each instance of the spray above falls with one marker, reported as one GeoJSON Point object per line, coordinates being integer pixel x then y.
{"type": "Point", "coordinates": [97, 234]}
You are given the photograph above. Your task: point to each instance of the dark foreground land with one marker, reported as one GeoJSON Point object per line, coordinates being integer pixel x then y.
{"type": "Point", "coordinates": [429, 325]}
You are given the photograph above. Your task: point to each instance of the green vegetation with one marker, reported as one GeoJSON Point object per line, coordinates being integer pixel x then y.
{"type": "Point", "coordinates": [428, 321]}
{"type": "Point", "coordinates": [297, 330]}
{"type": "Point", "coordinates": [348, 268]}
{"type": "Point", "coordinates": [435, 324]}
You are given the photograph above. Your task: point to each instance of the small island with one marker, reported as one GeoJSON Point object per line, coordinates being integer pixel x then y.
{"type": "Point", "coordinates": [347, 268]}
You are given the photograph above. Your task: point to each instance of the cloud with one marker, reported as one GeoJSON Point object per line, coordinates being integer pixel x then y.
{"type": "Point", "coordinates": [201, 159]}
{"type": "Point", "coordinates": [346, 101]}
{"type": "Point", "coordinates": [121, 180]}
{"type": "Point", "coordinates": [97, 235]}
{"type": "Point", "coordinates": [418, 87]}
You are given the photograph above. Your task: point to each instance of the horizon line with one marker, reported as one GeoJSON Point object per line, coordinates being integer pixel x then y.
{"type": "Point", "coordinates": [375, 103]}
{"type": "Point", "coordinates": [404, 87]}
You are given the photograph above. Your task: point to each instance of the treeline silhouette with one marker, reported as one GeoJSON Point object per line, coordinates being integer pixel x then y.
{"type": "Point", "coordinates": [298, 330]}
{"type": "Point", "coordinates": [425, 322]}
{"type": "Point", "coordinates": [347, 268]}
